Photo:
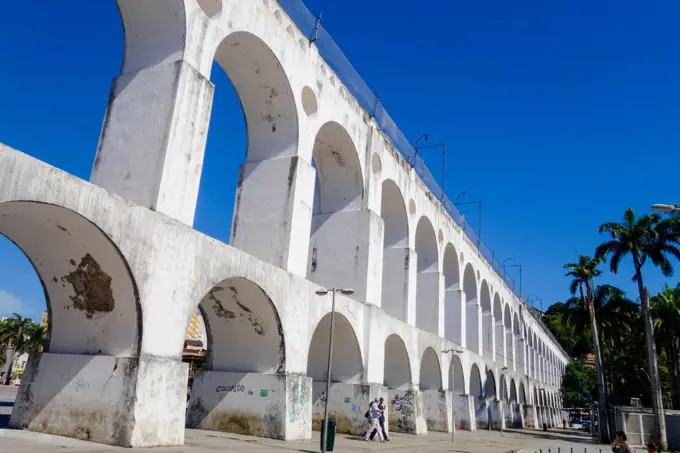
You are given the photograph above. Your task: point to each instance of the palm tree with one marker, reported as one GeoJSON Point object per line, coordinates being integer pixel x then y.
{"type": "Point", "coordinates": [646, 237]}
{"type": "Point", "coordinates": [21, 335]}
{"type": "Point", "coordinates": [583, 274]}
{"type": "Point", "coordinates": [666, 310]}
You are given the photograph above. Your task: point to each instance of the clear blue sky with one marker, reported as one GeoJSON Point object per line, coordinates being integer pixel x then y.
{"type": "Point", "coordinates": [558, 115]}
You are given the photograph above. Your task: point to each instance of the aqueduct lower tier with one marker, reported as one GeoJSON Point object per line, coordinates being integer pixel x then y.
{"type": "Point", "coordinates": [121, 283]}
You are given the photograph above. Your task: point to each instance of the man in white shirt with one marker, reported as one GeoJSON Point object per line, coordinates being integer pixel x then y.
{"type": "Point", "coordinates": [375, 421]}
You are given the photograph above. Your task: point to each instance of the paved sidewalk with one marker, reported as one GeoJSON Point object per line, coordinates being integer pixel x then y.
{"type": "Point", "coordinates": [199, 441]}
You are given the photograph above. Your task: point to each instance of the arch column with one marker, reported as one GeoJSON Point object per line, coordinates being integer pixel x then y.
{"type": "Point", "coordinates": [499, 344]}
{"type": "Point", "coordinates": [153, 137]}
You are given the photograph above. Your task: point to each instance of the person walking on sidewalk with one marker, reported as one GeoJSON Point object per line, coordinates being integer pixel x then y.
{"type": "Point", "coordinates": [375, 424]}
{"type": "Point", "coordinates": [381, 420]}
{"type": "Point", "coordinates": [620, 444]}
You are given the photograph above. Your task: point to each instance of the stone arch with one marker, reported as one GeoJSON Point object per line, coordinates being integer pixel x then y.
{"type": "Point", "coordinates": [490, 385]}
{"type": "Point", "coordinates": [334, 259]}
{"type": "Point", "coordinates": [457, 377]}
{"type": "Point", "coordinates": [504, 393]}
{"type": "Point", "coordinates": [396, 252]}
{"type": "Point", "coordinates": [430, 371]}
{"type": "Point", "coordinates": [498, 326]}
{"type": "Point", "coordinates": [244, 331]}
{"type": "Point", "coordinates": [397, 369]}
{"type": "Point", "coordinates": [475, 381]}
{"type": "Point", "coordinates": [471, 310]}
{"type": "Point", "coordinates": [427, 289]}
{"type": "Point", "coordinates": [348, 366]}
{"type": "Point", "coordinates": [265, 93]}
{"type": "Point", "coordinates": [513, 391]}
{"type": "Point", "coordinates": [453, 309]}
{"type": "Point", "coordinates": [509, 343]}
{"type": "Point", "coordinates": [487, 320]}
{"type": "Point", "coordinates": [339, 185]}
{"type": "Point", "coordinates": [92, 298]}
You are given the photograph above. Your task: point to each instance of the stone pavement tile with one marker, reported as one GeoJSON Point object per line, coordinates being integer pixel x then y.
{"type": "Point", "coordinates": [199, 441]}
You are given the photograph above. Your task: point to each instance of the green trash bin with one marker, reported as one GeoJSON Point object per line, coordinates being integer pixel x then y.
{"type": "Point", "coordinates": [330, 438]}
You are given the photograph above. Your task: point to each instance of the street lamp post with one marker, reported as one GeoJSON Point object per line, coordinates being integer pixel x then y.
{"type": "Point", "coordinates": [453, 415]}
{"type": "Point", "coordinates": [502, 411]}
{"type": "Point", "coordinates": [513, 265]}
{"type": "Point", "coordinates": [427, 137]}
{"type": "Point", "coordinates": [479, 216]}
{"type": "Point", "coordinates": [665, 207]}
{"type": "Point", "coordinates": [323, 292]}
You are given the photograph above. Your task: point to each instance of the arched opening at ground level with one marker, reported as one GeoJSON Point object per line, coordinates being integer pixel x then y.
{"type": "Point", "coordinates": [396, 252]}
{"type": "Point", "coordinates": [93, 319]}
{"type": "Point", "coordinates": [457, 377]}
{"type": "Point", "coordinates": [92, 302]}
{"type": "Point", "coordinates": [245, 354]}
{"type": "Point", "coordinates": [347, 373]}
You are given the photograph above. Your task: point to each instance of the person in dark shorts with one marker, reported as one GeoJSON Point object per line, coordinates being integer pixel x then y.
{"type": "Point", "coordinates": [381, 420]}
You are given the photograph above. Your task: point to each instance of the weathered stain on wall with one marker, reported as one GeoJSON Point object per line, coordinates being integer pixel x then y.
{"type": "Point", "coordinates": [92, 287]}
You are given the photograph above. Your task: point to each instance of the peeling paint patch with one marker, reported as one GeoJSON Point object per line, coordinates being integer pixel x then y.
{"type": "Point", "coordinates": [220, 311]}
{"type": "Point", "coordinates": [92, 287]}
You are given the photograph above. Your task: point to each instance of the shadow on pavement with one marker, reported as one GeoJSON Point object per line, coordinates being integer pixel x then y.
{"type": "Point", "coordinates": [560, 436]}
{"type": "Point", "coordinates": [4, 421]}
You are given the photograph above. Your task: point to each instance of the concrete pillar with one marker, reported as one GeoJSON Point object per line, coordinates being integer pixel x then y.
{"type": "Point", "coordinates": [412, 288]}
{"type": "Point", "coordinates": [499, 341]}
{"type": "Point", "coordinates": [123, 401]}
{"type": "Point", "coordinates": [464, 412]}
{"type": "Point", "coordinates": [510, 348]}
{"type": "Point", "coordinates": [273, 211]}
{"type": "Point", "coordinates": [441, 308]}
{"type": "Point", "coordinates": [406, 411]}
{"type": "Point", "coordinates": [395, 269]}
{"type": "Point", "coordinates": [488, 335]}
{"type": "Point", "coordinates": [482, 413]}
{"type": "Point", "coordinates": [347, 405]}
{"type": "Point", "coordinates": [530, 416]}
{"type": "Point", "coordinates": [346, 251]}
{"type": "Point", "coordinates": [278, 406]}
{"type": "Point", "coordinates": [153, 139]}
{"type": "Point", "coordinates": [497, 416]}
{"type": "Point", "coordinates": [438, 410]}
{"type": "Point", "coordinates": [474, 322]}
{"type": "Point", "coordinates": [517, 416]}
{"type": "Point", "coordinates": [454, 302]}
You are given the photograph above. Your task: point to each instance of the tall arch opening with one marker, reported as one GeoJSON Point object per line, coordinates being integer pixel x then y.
{"type": "Point", "coordinates": [507, 336]}
{"type": "Point", "coordinates": [427, 290]}
{"type": "Point", "coordinates": [453, 300]}
{"type": "Point", "coordinates": [434, 399]}
{"type": "Point", "coordinates": [487, 321]}
{"type": "Point", "coordinates": [347, 371]}
{"type": "Point", "coordinates": [254, 116]}
{"type": "Point", "coordinates": [522, 394]}
{"type": "Point", "coordinates": [430, 371]}
{"type": "Point", "coordinates": [457, 377]}
{"type": "Point", "coordinates": [513, 391]}
{"type": "Point", "coordinates": [399, 383]}
{"type": "Point", "coordinates": [396, 253]}
{"type": "Point", "coordinates": [476, 382]}
{"type": "Point", "coordinates": [338, 244]}
{"type": "Point", "coordinates": [472, 310]}
{"type": "Point", "coordinates": [490, 386]}
{"type": "Point", "coordinates": [517, 331]}
{"type": "Point", "coordinates": [499, 340]}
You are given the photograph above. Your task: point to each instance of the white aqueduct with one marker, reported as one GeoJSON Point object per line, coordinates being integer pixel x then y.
{"type": "Point", "coordinates": [323, 199]}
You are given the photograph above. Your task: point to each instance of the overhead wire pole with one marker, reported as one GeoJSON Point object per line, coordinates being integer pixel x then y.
{"type": "Point", "coordinates": [479, 216]}
{"type": "Point", "coordinates": [316, 28]}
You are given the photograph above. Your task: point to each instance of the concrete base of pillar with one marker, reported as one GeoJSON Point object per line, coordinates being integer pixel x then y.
{"type": "Point", "coordinates": [497, 416]}
{"type": "Point", "coordinates": [464, 412]}
{"type": "Point", "coordinates": [482, 415]}
{"type": "Point", "coordinates": [438, 409]}
{"type": "Point", "coordinates": [406, 411]}
{"type": "Point", "coordinates": [530, 416]}
{"type": "Point", "coordinates": [123, 401]}
{"type": "Point", "coordinates": [278, 406]}
{"type": "Point", "coordinates": [347, 404]}
{"type": "Point", "coordinates": [517, 418]}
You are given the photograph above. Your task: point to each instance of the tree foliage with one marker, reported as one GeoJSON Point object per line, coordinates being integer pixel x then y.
{"type": "Point", "coordinates": [579, 385]}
